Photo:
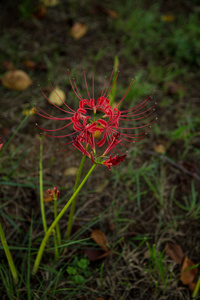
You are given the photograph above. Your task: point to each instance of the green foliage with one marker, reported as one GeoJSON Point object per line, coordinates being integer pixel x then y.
{"type": "Point", "coordinates": [79, 270]}
{"type": "Point", "coordinates": [158, 271]}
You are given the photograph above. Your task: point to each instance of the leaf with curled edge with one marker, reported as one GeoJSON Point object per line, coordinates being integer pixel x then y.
{"type": "Point", "coordinates": [188, 273]}
{"type": "Point", "coordinates": [175, 252]}
{"type": "Point", "coordinates": [100, 238]}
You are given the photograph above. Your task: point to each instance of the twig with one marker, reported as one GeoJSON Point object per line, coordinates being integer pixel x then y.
{"type": "Point", "coordinates": [173, 163]}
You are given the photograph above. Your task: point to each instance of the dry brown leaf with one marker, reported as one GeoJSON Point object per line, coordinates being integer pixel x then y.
{"type": "Point", "coordinates": [16, 80]}
{"type": "Point", "coordinates": [99, 298]}
{"type": "Point", "coordinates": [50, 3]}
{"type": "Point", "coordinates": [187, 276]}
{"type": "Point", "coordinates": [71, 171]}
{"type": "Point", "coordinates": [100, 238]}
{"type": "Point", "coordinates": [159, 148]}
{"type": "Point", "coordinates": [29, 63]}
{"type": "Point", "coordinates": [112, 13]}
{"type": "Point", "coordinates": [78, 30]}
{"type": "Point", "coordinates": [57, 96]}
{"type": "Point", "coordinates": [175, 252]}
{"type": "Point", "coordinates": [40, 12]}
{"type": "Point", "coordinates": [93, 254]}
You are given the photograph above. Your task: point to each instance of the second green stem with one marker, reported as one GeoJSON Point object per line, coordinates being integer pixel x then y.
{"type": "Point", "coordinates": [73, 206]}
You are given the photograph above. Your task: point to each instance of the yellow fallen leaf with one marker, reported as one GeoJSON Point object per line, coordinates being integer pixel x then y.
{"type": "Point", "coordinates": [167, 18]}
{"type": "Point", "coordinates": [71, 171]}
{"type": "Point", "coordinates": [50, 3]}
{"type": "Point", "coordinates": [78, 30]}
{"type": "Point", "coordinates": [16, 80]}
{"type": "Point", "coordinates": [57, 96]}
{"type": "Point", "coordinates": [159, 148]}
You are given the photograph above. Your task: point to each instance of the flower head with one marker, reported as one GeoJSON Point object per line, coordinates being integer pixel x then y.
{"type": "Point", "coordinates": [96, 124]}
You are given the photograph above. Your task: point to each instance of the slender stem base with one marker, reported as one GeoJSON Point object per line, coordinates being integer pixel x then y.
{"type": "Point", "coordinates": [73, 206]}
{"type": "Point", "coordinates": [49, 231]}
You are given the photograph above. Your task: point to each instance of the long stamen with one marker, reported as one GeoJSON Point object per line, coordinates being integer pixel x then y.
{"type": "Point", "coordinates": [113, 85]}
{"type": "Point", "coordinates": [130, 86]}
{"type": "Point", "coordinates": [60, 99]}
{"type": "Point", "coordinates": [50, 117]}
{"type": "Point", "coordinates": [111, 76]}
{"type": "Point", "coordinates": [73, 86]}
{"type": "Point", "coordinates": [103, 86]}
{"type": "Point", "coordinates": [86, 83]}
{"type": "Point", "coordinates": [53, 129]}
{"type": "Point", "coordinates": [77, 89]}
{"type": "Point", "coordinates": [93, 83]}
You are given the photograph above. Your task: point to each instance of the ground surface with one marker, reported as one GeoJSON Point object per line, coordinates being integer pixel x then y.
{"type": "Point", "coordinates": [150, 199]}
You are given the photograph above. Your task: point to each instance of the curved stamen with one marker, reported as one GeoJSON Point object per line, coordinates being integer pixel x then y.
{"type": "Point", "coordinates": [60, 99]}
{"type": "Point", "coordinates": [53, 129]}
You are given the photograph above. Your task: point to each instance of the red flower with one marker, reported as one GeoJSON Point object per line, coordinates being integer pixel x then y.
{"type": "Point", "coordinates": [94, 116]}
{"type": "Point", "coordinates": [113, 161]}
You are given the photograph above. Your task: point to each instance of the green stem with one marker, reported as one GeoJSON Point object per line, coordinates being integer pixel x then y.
{"type": "Point", "coordinates": [16, 130]}
{"type": "Point", "coordinates": [73, 206]}
{"type": "Point", "coordinates": [49, 231]}
{"type": "Point", "coordinates": [8, 255]}
{"type": "Point", "coordinates": [41, 190]}
{"type": "Point", "coordinates": [55, 245]}
{"type": "Point", "coordinates": [57, 225]}
{"type": "Point", "coordinates": [196, 290]}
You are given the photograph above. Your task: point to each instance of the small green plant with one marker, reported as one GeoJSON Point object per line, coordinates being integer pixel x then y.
{"type": "Point", "coordinates": [78, 271]}
{"type": "Point", "coordinates": [191, 203]}
{"type": "Point", "coordinates": [158, 271]}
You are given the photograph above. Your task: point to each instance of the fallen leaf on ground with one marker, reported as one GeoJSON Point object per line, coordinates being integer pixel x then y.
{"type": "Point", "coordinates": [100, 238]}
{"type": "Point", "coordinates": [167, 18]}
{"type": "Point", "coordinates": [96, 254]}
{"type": "Point", "coordinates": [35, 66]}
{"type": "Point", "coordinates": [188, 273]}
{"type": "Point", "coordinates": [40, 12]}
{"type": "Point", "coordinates": [112, 13]}
{"type": "Point", "coordinates": [159, 148]}
{"type": "Point", "coordinates": [50, 3]}
{"type": "Point", "coordinates": [29, 63]}
{"type": "Point", "coordinates": [175, 252]}
{"type": "Point", "coordinates": [16, 80]}
{"type": "Point", "coordinates": [71, 171]}
{"type": "Point", "coordinates": [57, 96]}
{"type": "Point", "coordinates": [78, 30]}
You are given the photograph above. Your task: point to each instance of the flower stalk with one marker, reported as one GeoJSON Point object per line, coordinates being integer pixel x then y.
{"type": "Point", "coordinates": [41, 188]}
{"type": "Point", "coordinates": [73, 206]}
{"type": "Point", "coordinates": [8, 255]}
{"type": "Point", "coordinates": [53, 225]}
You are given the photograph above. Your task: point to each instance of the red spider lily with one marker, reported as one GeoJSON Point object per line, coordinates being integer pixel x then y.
{"type": "Point", "coordinates": [113, 161]}
{"type": "Point", "coordinates": [94, 116]}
